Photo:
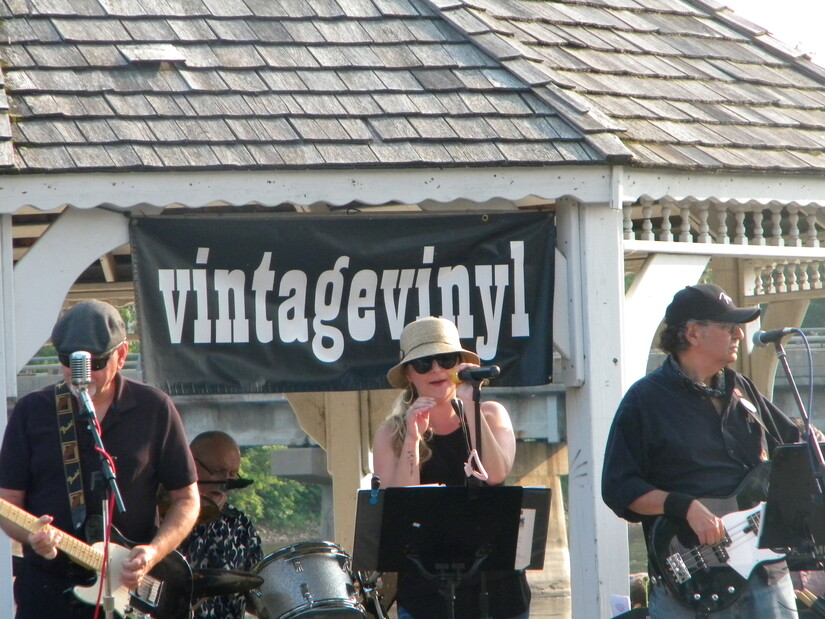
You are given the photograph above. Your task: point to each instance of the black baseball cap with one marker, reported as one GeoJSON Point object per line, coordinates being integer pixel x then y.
{"type": "Point", "coordinates": [92, 326]}
{"type": "Point", "coordinates": [707, 302]}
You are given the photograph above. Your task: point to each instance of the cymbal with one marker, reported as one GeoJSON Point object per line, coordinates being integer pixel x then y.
{"type": "Point", "coordinates": [208, 581]}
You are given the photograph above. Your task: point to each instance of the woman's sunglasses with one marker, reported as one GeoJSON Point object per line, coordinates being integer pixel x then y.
{"type": "Point", "coordinates": [422, 365]}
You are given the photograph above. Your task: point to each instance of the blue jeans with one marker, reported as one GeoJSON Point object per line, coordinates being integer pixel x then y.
{"type": "Point", "coordinates": [403, 614]}
{"type": "Point", "coordinates": [758, 601]}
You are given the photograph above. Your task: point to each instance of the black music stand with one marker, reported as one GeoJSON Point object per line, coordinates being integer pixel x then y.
{"type": "Point", "coordinates": [448, 534]}
{"type": "Point", "coordinates": [794, 512]}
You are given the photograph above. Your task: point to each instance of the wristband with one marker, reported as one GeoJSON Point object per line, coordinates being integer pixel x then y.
{"type": "Point", "coordinates": [677, 504]}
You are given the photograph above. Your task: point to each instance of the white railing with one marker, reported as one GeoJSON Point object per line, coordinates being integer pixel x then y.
{"type": "Point", "coordinates": [776, 277]}
{"type": "Point", "coordinates": [710, 221]}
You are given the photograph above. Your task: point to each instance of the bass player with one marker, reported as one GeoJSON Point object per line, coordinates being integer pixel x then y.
{"type": "Point", "coordinates": [696, 428]}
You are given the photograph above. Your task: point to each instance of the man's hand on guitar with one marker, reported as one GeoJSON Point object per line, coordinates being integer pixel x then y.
{"type": "Point", "coordinates": [44, 541]}
{"type": "Point", "coordinates": [140, 560]}
{"type": "Point", "coordinates": [708, 528]}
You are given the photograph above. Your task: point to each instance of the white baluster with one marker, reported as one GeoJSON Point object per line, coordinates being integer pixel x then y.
{"type": "Point", "coordinates": [647, 226]}
{"type": "Point", "coordinates": [758, 288]}
{"type": "Point", "coordinates": [776, 228]}
{"type": "Point", "coordinates": [702, 215]}
{"type": "Point", "coordinates": [740, 238]}
{"type": "Point", "coordinates": [722, 223]}
{"type": "Point", "coordinates": [627, 217]}
{"type": "Point", "coordinates": [816, 278]}
{"type": "Point", "coordinates": [758, 232]}
{"type": "Point", "coordinates": [811, 237]}
{"type": "Point", "coordinates": [791, 281]}
{"type": "Point", "coordinates": [779, 278]}
{"type": "Point", "coordinates": [802, 267]}
{"type": "Point", "coordinates": [667, 229]}
{"type": "Point", "coordinates": [684, 230]}
{"type": "Point", "coordinates": [793, 227]}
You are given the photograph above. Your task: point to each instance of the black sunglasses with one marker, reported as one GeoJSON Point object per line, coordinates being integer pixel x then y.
{"type": "Point", "coordinates": [422, 365]}
{"type": "Point", "coordinates": [98, 363]}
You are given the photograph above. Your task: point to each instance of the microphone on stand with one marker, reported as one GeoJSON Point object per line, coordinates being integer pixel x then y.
{"type": "Point", "coordinates": [763, 338]}
{"type": "Point", "coordinates": [476, 375]}
{"type": "Point", "coordinates": [80, 363]}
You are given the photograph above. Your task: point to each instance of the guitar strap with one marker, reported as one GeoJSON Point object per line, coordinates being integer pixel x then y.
{"type": "Point", "coordinates": [65, 407]}
{"type": "Point", "coordinates": [738, 398]}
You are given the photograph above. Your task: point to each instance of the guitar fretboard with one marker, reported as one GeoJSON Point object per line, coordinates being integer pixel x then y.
{"type": "Point", "coordinates": [78, 551]}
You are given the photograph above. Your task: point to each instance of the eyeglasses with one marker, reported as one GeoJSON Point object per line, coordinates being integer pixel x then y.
{"type": "Point", "coordinates": [224, 485]}
{"type": "Point", "coordinates": [422, 365]}
{"type": "Point", "coordinates": [97, 364]}
{"type": "Point", "coordinates": [730, 327]}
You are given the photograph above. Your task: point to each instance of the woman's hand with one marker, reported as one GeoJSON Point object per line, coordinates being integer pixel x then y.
{"type": "Point", "coordinates": [418, 417]}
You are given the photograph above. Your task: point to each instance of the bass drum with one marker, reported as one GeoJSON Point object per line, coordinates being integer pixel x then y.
{"type": "Point", "coordinates": [309, 579]}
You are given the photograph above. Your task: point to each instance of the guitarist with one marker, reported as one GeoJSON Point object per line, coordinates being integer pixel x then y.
{"type": "Point", "coordinates": [695, 428]}
{"type": "Point", "coordinates": [141, 430]}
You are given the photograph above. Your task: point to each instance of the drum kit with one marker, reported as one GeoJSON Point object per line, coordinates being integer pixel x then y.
{"type": "Point", "coordinates": [306, 580]}
{"type": "Point", "coordinates": [301, 581]}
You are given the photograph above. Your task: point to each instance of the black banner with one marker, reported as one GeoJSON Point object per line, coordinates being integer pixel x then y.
{"type": "Point", "coordinates": [280, 303]}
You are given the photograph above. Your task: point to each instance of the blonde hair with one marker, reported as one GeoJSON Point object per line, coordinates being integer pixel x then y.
{"type": "Point", "coordinates": [397, 422]}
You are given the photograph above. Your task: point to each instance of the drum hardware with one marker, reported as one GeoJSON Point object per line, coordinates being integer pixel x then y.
{"type": "Point", "coordinates": [209, 582]}
{"type": "Point", "coordinates": [370, 584]}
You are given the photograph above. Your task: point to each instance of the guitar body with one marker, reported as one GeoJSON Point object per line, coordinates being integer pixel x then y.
{"type": "Point", "coordinates": [709, 578]}
{"type": "Point", "coordinates": [166, 593]}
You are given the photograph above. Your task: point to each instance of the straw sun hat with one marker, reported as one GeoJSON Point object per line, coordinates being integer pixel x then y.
{"type": "Point", "coordinates": [425, 337]}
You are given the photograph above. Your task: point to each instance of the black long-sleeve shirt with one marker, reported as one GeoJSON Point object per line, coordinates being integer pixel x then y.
{"type": "Point", "coordinates": [668, 435]}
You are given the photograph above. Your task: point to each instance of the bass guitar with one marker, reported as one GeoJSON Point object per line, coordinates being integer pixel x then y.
{"type": "Point", "coordinates": [166, 592]}
{"type": "Point", "coordinates": [711, 577]}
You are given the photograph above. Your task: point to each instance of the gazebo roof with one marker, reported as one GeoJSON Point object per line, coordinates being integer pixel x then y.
{"type": "Point", "coordinates": [219, 85]}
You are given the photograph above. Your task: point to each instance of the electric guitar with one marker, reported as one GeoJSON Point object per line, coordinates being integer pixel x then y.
{"type": "Point", "coordinates": [165, 592]}
{"type": "Point", "coordinates": [710, 577]}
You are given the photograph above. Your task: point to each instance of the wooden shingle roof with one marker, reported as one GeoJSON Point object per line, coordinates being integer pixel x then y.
{"type": "Point", "coordinates": [118, 85]}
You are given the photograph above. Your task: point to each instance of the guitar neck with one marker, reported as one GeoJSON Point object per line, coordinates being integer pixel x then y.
{"type": "Point", "coordinates": [78, 551]}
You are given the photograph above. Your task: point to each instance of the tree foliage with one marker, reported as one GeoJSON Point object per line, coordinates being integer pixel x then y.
{"type": "Point", "coordinates": [272, 502]}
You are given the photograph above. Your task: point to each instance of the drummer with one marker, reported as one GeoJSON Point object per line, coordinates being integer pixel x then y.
{"type": "Point", "coordinates": [227, 539]}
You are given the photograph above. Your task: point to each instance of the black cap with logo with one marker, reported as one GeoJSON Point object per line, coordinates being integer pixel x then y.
{"type": "Point", "coordinates": [707, 302]}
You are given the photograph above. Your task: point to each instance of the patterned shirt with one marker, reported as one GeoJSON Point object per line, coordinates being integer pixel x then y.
{"type": "Point", "coordinates": [231, 543]}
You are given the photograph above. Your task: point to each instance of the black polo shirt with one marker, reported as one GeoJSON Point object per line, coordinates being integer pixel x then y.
{"type": "Point", "coordinates": [143, 433]}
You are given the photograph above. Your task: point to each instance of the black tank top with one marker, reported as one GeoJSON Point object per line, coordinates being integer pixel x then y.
{"type": "Point", "coordinates": [446, 466]}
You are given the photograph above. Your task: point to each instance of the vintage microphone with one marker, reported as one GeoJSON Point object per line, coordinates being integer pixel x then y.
{"type": "Point", "coordinates": [80, 363]}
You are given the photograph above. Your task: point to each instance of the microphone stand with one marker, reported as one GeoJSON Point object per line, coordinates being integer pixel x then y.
{"type": "Point", "coordinates": [815, 459]}
{"type": "Point", "coordinates": [89, 416]}
{"type": "Point", "coordinates": [472, 482]}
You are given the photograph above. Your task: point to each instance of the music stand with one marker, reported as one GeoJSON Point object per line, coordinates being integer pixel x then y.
{"type": "Point", "coordinates": [794, 513]}
{"type": "Point", "coordinates": [448, 534]}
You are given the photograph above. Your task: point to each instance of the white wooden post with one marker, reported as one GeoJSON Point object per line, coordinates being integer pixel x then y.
{"type": "Point", "coordinates": [592, 236]}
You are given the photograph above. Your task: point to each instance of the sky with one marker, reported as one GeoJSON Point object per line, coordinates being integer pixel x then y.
{"type": "Point", "coordinates": [797, 23]}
